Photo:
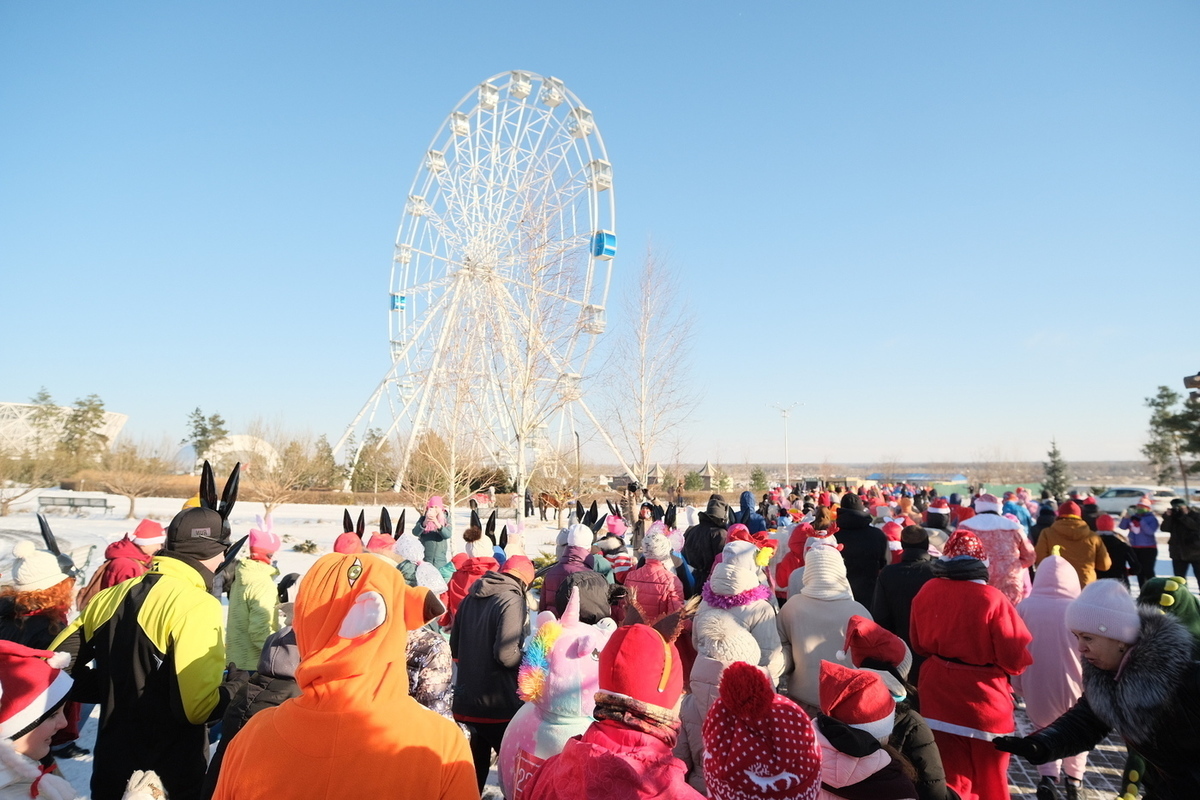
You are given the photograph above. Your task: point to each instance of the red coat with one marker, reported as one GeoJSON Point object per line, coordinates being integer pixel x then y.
{"type": "Point", "coordinates": [125, 560]}
{"type": "Point", "coordinates": [658, 591]}
{"type": "Point", "coordinates": [975, 639]}
{"type": "Point", "coordinates": [461, 582]}
{"type": "Point", "coordinates": [613, 762]}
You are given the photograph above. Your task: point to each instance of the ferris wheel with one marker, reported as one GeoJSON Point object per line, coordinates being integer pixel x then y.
{"type": "Point", "coordinates": [500, 273]}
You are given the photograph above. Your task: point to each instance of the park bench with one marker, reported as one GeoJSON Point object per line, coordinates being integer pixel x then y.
{"type": "Point", "coordinates": [74, 503]}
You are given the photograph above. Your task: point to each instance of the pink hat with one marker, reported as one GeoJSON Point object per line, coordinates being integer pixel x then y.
{"type": "Point", "coordinates": [858, 698]}
{"type": "Point", "coordinates": [348, 543]}
{"type": "Point", "coordinates": [149, 532]}
{"type": "Point", "coordinates": [1104, 608]}
{"type": "Point", "coordinates": [615, 525]}
{"type": "Point", "coordinates": [436, 502]}
{"type": "Point", "coordinates": [263, 539]}
{"type": "Point", "coordinates": [987, 502]}
{"type": "Point", "coordinates": [758, 743]}
{"type": "Point", "coordinates": [33, 684]}
{"type": "Point", "coordinates": [380, 543]}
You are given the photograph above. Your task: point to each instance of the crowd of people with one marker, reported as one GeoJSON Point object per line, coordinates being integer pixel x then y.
{"type": "Point", "coordinates": [835, 643]}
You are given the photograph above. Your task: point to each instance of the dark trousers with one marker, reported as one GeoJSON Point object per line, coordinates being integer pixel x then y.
{"type": "Point", "coordinates": [1181, 567]}
{"type": "Point", "coordinates": [1146, 557]}
{"type": "Point", "coordinates": [485, 737]}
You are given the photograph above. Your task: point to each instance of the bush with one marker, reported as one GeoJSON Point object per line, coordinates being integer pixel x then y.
{"type": "Point", "coordinates": [307, 546]}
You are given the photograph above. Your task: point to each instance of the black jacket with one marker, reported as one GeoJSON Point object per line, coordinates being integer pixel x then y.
{"type": "Point", "coordinates": [1184, 527]}
{"type": "Point", "coordinates": [912, 737]}
{"type": "Point", "coordinates": [1154, 706]}
{"type": "Point", "coordinates": [896, 587]}
{"type": "Point", "coordinates": [489, 628]}
{"type": "Point", "coordinates": [864, 549]}
{"type": "Point", "coordinates": [1124, 560]}
{"type": "Point", "coordinates": [703, 541]}
{"type": "Point", "coordinates": [36, 630]}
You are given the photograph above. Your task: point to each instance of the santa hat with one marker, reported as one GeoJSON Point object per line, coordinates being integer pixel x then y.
{"type": "Point", "coordinates": [33, 684]}
{"type": "Point", "coordinates": [263, 539]}
{"type": "Point", "coordinates": [893, 530]}
{"type": "Point", "coordinates": [757, 743]}
{"type": "Point", "coordinates": [148, 532]}
{"type": "Point", "coordinates": [640, 664]}
{"type": "Point", "coordinates": [348, 542]}
{"type": "Point", "coordinates": [858, 698]}
{"type": "Point", "coordinates": [939, 506]}
{"type": "Point", "coordinates": [34, 569]}
{"type": "Point", "coordinates": [1104, 608]}
{"type": "Point", "coordinates": [1105, 522]}
{"type": "Point", "coordinates": [987, 502]}
{"type": "Point", "coordinates": [1068, 509]}
{"type": "Point", "coordinates": [868, 642]}
{"type": "Point", "coordinates": [963, 543]}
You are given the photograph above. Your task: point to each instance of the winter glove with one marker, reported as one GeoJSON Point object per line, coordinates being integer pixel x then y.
{"type": "Point", "coordinates": [144, 786]}
{"type": "Point", "coordinates": [1031, 750]}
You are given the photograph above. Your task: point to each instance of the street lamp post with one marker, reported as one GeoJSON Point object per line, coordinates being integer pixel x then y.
{"type": "Point", "coordinates": [786, 411]}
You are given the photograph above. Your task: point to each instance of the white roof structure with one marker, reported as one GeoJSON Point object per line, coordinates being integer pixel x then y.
{"type": "Point", "coordinates": [18, 435]}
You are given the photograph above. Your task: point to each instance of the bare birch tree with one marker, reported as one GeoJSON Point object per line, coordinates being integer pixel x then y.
{"type": "Point", "coordinates": [649, 393]}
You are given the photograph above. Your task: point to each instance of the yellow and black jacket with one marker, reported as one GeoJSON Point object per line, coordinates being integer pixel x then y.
{"type": "Point", "coordinates": [159, 658]}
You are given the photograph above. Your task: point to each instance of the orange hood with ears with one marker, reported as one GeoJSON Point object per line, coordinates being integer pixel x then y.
{"type": "Point", "coordinates": [353, 614]}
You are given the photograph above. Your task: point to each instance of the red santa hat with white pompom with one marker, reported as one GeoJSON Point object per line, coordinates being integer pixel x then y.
{"type": "Point", "coordinates": [33, 684]}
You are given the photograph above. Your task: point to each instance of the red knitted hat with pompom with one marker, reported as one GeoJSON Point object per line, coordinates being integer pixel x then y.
{"type": "Point", "coordinates": [758, 744]}
{"type": "Point", "coordinates": [964, 543]}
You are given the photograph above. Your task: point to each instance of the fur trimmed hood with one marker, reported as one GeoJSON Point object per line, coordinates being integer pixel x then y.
{"type": "Point", "coordinates": [18, 770]}
{"type": "Point", "coordinates": [1134, 700]}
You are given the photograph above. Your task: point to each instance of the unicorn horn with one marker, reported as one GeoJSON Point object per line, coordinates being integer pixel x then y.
{"type": "Point", "coordinates": [570, 616]}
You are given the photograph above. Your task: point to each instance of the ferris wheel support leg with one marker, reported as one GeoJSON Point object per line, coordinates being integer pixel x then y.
{"type": "Point", "coordinates": [604, 435]}
{"type": "Point", "coordinates": [419, 417]}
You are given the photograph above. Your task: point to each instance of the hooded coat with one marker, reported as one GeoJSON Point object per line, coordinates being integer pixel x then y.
{"type": "Point", "coordinates": [854, 765]}
{"type": "Point", "coordinates": [123, 560]}
{"type": "Point", "coordinates": [1008, 550]}
{"type": "Point", "coordinates": [865, 549]}
{"type": "Point", "coordinates": [1054, 681]}
{"type": "Point", "coordinates": [253, 600]}
{"type": "Point", "coordinates": [736, 588]}
{"type": "Point", "coordinates": [354, 728]}
{"type": "Point", "coordinates": [704, 540]}
{"type": "Point", "coordinates": [489, 629]}
{"type": "Point", "coordinates": [1081, 546]}
{"type": "Point", "coordinates": [611, 761]}
{"type": "Point", "coordinates": [1183, 523]}
{"type": "Point", "coordinates": [812, 624]}
{"type": "Point", "coordinates": [1152, 702]}
{"type": "Point", "coordinates": [18, 772]}
{"type": "Point", "coordinates": [462, 580]}
{"type": "Point", "coordinates": [659, 592]}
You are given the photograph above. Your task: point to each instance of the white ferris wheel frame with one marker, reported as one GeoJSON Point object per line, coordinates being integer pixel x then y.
{"type": "Point", "coordinates": [503, 255]}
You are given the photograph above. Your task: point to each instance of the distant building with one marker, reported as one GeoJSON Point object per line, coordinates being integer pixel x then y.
{"type": "Point", "coordinates": [18, 434]}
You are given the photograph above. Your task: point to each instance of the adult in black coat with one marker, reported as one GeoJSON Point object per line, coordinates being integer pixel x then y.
{"type": "Point", "coordinates": [274, 682]}
{"type": "Point", "coordinates": [898, 584]}
{"type": "Point", "coordinates": [1183, 524]}
{"type": "Point", "coordinates": [1045, 518]}
{"type": "Point", "coordinates": [864, 548]}
{"type": "Point", "coordinates": [489, 628]}
{"type": "Point", "coordinates": [704, 540]}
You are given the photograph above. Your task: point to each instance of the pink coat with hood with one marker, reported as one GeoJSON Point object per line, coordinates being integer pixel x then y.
{"type": "Point", "coordinates": [1054, 682]}
{"type": "Point", "coordinates": [1009, 551]}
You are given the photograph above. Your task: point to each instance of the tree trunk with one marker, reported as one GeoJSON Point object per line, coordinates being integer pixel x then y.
{"type": "Point", "coordinates": [132, 500]}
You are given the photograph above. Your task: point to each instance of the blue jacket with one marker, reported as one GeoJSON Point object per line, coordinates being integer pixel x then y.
{"type": "Point", "coordinates": [1142, 528]}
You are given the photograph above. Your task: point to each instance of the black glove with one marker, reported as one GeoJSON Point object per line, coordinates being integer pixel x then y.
{"type": "Point", "coordinates": [1031, 750]}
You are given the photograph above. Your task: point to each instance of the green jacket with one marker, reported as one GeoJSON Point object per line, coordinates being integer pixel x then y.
{"type": "Point", "coordinates": [253, 599]}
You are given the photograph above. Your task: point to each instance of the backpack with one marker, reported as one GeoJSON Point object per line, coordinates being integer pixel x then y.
{"type": "Point", "coordinates": [85, 595]}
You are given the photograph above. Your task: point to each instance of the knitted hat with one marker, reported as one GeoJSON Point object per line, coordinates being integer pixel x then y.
{"type": "Point", "coordinates": [1104, 608]}
{"type": "Point", "coordinates": [639, 663]}
{"type": "Point", "coordinates": [34, 569]}
{"type": "Point", "coordinates": [148, 532]}
{"type": "Point", "coordinates": [866, 639]}
{"type": "Point", "coordinates": [852, 502]}
{"type": "Point", "coordinates": [1145, 502]}
{"type": "Point", "coordinates": [579, 536]}
{"type": "Point", "coordinates": [436, 502]}
{"type": "Point", "coordinates": [758, 744]}
{"type": "Point", "coordinates": [197, 532]}
{"type": "Point", "coordinates": [656, 547]}
{"type": "Point", "coordinates": [33, 684]}
{"type": "Point", "coordinates": [914, 536]}
{"type": "Point", "coordinates": [1105, 522]}
{"type": "Point", "coordinates": [409, 548]}
{"type": "Point", "coordinates": [963, 543]}
{"type": "Point", "coordinates": [349, 543]}
{"type": "Point", "coordinates": [1068, 509]}
{"type": "Point", "coordinates": [718, 635]}
{"type": "Point", "coordinates": [824, 574]}
{"type": "Point", "coordinates": [859, 698]}
{"type": "Point", "coordinates": [987, 502]}
{"type": "Point", "coordinates": [615, 525]}
{"type": "Point", "coordinates": [520, 566]}
{"type": "Point", "coordinates": [939, 506]}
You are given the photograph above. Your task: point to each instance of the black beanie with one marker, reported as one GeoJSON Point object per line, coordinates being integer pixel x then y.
{"type": "Point", "coordinates": [852, 501]}
{"type": "Point", "coordinates": [197, 532]}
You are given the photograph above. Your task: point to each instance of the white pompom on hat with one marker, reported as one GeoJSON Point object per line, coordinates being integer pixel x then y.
{"type": "Point", "coordinates": [1104, 608]}
{"type": "Point", "coordinates": [34, 569]}
{"type": "Point", "coordinates": [33, 683]}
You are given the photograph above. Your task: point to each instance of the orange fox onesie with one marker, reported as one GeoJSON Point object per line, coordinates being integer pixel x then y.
{"type": "Point", "coordinates": [354, 730]}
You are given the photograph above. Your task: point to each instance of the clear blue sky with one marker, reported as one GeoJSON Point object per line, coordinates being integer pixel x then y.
{"type": "Point", "coordinates": [948, 229]}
